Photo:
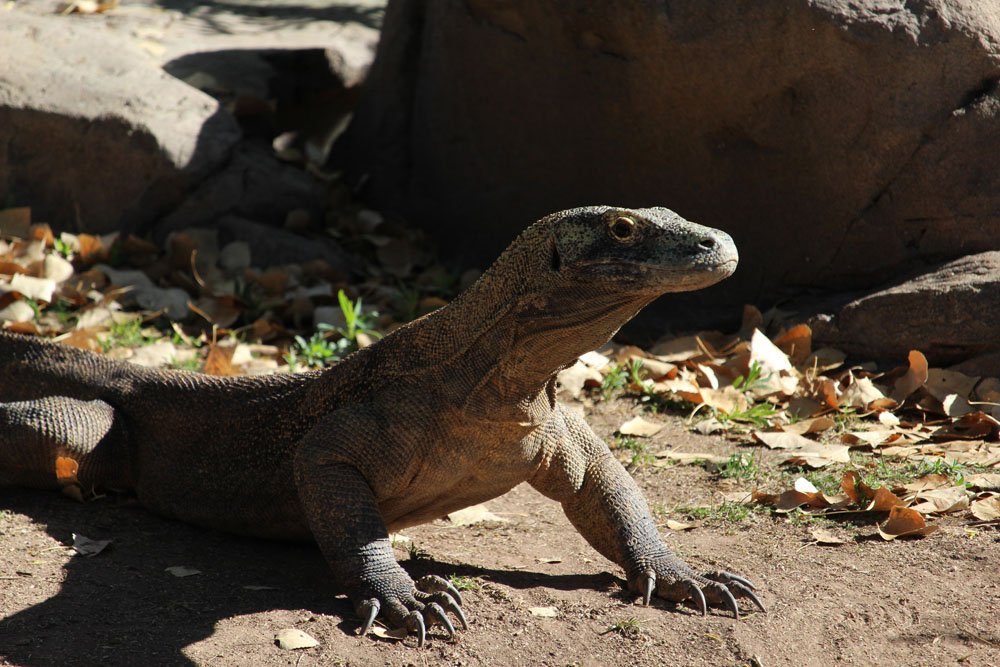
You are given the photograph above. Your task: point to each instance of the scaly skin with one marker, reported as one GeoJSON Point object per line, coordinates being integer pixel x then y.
{"type": "Point", "coordinates": [451, 410]}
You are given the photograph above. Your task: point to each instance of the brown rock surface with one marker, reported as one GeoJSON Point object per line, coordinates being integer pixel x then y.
{"type": "Point", "coordinates": [950, 313]}
{"type": "Point", "coordinates": [839, 142]}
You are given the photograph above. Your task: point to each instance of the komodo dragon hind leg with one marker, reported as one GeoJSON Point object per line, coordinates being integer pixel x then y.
{"type": "Point", "coordinates": [51, 442]}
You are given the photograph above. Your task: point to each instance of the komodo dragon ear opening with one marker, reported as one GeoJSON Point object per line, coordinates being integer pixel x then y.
{"type": "Point", "coordinates": [555, 261]}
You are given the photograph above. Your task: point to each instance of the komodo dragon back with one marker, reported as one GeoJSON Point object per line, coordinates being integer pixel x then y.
{"type": "Point", "coordinates": [450, 410]}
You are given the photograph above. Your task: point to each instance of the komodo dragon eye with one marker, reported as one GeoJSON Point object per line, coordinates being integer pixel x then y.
{"type": "Point", "coordinates": [622, 228]}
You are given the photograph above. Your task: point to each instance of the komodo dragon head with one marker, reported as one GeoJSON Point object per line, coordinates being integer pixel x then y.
{"type": "Point", "coordinates": [569, 281]}
{"type": "Point", "coordinates": [642, 251]}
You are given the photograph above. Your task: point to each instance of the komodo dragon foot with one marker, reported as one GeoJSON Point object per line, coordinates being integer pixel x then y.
{"type": "Point", "coordinates": [672, 580]}
{"type": "Point", "coordinates": [424, 606]}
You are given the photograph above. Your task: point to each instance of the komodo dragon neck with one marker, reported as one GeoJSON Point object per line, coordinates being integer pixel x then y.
{"type": "Point", "coordinates": [507, 336]}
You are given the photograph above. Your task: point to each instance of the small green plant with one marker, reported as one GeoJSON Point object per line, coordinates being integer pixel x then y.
{"type": "Point", "coordinates": [758, 414]}
{"type": "Point", "coordinates": [125, 333]}
{"type": "Point", "coordinates": [63, 310]}
{"type": "Point", "coordinates": [314, 352]}
{"type": "Point", "coordinates": [726, 511]}
{"type": "Point", "coordinates": [614, 380]}
{"type": "Point", "coordinates": [740, 466]}
{"type": "Point", "coordinates": [465, 583]}
{"type": "Point", "coordinates": [357, 321]}
{"type": "Point", "coordinates": [630, 628]}
{"type": "Point", "coordinates": [635, 371]}
{"type": "Point", "coordinates": [63, 248]}
{"type": "Point", "coordinates": [824, 481]}
{"type": "Point", "coordinates": [192, 363]}
{"type": "Point", "coordinates": [416, 553]}
{"type": "Point", "coordinates": [636, 449]}
{"type": "Point", "coordinates": [320, 349]}
{"type": "Point", "coordinates": [752, 380]}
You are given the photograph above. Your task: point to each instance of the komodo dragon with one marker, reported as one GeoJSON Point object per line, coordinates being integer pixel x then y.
{"type": "Point", "coordinates": [452, 409]}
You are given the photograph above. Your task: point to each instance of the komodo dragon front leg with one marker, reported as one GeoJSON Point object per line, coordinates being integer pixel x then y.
{"type": "Point", "coordinates": [604, 503]}
{"type": "Point", "coordinates": [341, 506]}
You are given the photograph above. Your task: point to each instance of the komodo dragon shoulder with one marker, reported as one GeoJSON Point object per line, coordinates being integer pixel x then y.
{"type": "Point", "coordinates": [450, 410]}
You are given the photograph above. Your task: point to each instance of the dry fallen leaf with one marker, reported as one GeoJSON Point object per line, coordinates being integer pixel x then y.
{"type": "Point", "coordinates": [391, 635]}
{"type": "Point", "coordinates": [811, 425]}
{"type": "Point", "coordinates": [884, 500]}
{"type": "Point", "coordinates": [860, 394]}
{"type": "Point", "coordinates": [989, 481]}
{"type": "Point", "coordinates": [291, 639]}
{"type": "Point", "coordinates": [575, 378]}
{"type": "Point", "coordinates": [545, 612]}
{"type": "Point", "coordinates": [84, 546]}
{"type": "Point", "coordinates": [768, 356]}
{"type": "Point", "coordinates": [796, 343]}
{"type": "Point", "coordinates": [472, 515]}
{"type": "Point", "coordinates": [39, 289]}
{"type": "Point", "coordinates": [641, 427]}
{"type": "Point", "coordinates": [680, 525]}
{"type": "Point", "coordinates": [182, 571]}
{"type": "Point", "coordinates": [691, 457]}
{"type": "Point", "coordinates": [986, 509]}
{"type": "Point", "coordinates": [824, 536]}
{"type": "Point", "coordinates": [941, 501]}
{"type": "Point", "coordinates": [220, 361]}
{"type": "Point", "coordinates": [914, 378]}
{"type": "Point", "coordinates": [728, 399]}
{"type": "Point", "coordinates": [782, 440]}
{"type": "Point", "coordinates": [928, 482]}
{"type": "Point", "coordinates": [871, 438]}
{"type": "Point", "coordinates": [904, 522]}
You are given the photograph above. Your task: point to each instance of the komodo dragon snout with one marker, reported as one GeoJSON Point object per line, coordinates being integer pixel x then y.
{"type": "Point", "coordinates": [452, 409]}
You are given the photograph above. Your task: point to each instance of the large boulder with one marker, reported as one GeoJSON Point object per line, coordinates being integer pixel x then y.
{"type": "Point", "coordinates": [841, 142]}
{"type": "Point", "coordinates": [94, 136]}
{"type": "Point", "coordinates": [950, 313]}
{"type": "Point", "coordinates": [125, 119]}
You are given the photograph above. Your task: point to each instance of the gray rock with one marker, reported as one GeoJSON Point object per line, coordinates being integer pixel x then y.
{"type": "Point", "coordinates": [96, 136]}
{"type": "Point", "coordinates": [93, 134]}
{"type": "Point", "coordinates": [270, 246]}
{"type": "Point", "coordinates": [949, 313]}
{"type": "Point", "coordinates": [252, 184]}
{"type": "Point", "coordinates": [839, 141]}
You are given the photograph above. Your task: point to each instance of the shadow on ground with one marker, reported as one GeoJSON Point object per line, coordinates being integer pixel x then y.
{"type": "Point", "coordinates": [122, 607]}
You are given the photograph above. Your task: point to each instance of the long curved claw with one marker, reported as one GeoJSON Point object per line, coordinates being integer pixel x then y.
{"type": "Point", "coordinates": [453, 592]}
{"type": "Point", "coordinates": [415, 623]}
{"type": "Point", "coordinates": [435, 584]}
{"type": "Point", "coordinates": [368, 610]}
{"type": "Point", "coordinates": [433, 613]}
{"type": "Point", "coordinates": [743, 592]}
{"type": "Point", "coordinates": [694, 591]}
{"type": "Point", "coordinates": [729, 601]}
{"type": "Point", "coordinates": [450, 604]}
{"type": "Point", "coordinates": [724, 577]}
{"type": "Point", "coordinates": [647, 586]}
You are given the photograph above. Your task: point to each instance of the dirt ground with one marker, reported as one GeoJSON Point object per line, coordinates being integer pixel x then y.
{"type": "Point", "coordinates": [934, 601]}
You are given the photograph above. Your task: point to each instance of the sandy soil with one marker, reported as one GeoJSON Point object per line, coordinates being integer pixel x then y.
{"type": "Point", "coordinates": [934, 601]}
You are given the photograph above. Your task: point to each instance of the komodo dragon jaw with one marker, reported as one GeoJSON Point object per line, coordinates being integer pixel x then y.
{"type": "Point", "coordinates": [450, 410]}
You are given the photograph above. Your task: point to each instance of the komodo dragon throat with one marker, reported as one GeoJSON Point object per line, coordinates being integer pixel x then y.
{"type": "Point", "coordinates": [450, 410]}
